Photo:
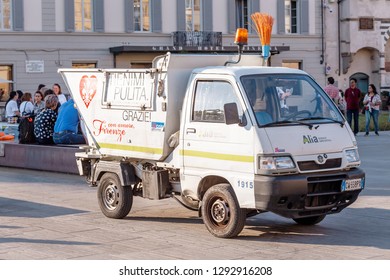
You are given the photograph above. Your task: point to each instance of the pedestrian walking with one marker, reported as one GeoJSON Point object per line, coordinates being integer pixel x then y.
{"type": "Point", "coordinates": [332, 90]}
{"type": "Point", "coordinates": [352, 97]}
{"type": "Point", "coordinates": [371, 103]}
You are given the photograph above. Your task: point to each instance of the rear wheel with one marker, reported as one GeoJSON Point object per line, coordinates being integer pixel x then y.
{"type": "Point", "coordinates": [221, 212]}
{"type": "Point", "coordinates": [115, 200]}
{"type": "Point", "coordinates": [308, 221]}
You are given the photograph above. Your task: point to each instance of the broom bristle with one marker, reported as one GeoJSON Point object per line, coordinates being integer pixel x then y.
{"type": "Point", "coordinates": [263, 25]}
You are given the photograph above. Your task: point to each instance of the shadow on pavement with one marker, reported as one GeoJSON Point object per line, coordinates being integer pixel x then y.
{"type": "Point", "coordinates": [175, 220]}
{"type": "Point", "coordinates": [23, 208]}
{"type": "Point", "coordinates": [375, 232]}
{"type": "Point", "coordinates": [9, 227]}
{"type": "Point", "coordinates": [335, 230]}
{"type": "Point", "coordinates": [42, 241]}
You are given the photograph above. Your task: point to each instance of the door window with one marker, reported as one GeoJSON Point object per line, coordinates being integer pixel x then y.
{"type": "Point", "coordinates": [209, 100]}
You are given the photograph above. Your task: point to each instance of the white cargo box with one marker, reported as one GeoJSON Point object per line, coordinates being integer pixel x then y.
{"type": "Point", "coordinates": [132, 112]}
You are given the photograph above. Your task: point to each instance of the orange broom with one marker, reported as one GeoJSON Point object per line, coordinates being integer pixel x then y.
{"type": "Point", "coordinates": [263, 25]}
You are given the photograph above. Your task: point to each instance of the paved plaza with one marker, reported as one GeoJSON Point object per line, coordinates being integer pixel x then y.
{"type": "Point", "coordinates": [48, 216]}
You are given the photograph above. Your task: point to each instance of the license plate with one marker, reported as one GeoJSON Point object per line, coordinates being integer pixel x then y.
{"type": "Point", "coordinates": [351, 185]}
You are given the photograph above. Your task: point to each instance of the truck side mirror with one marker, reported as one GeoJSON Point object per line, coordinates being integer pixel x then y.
{"type": "Point", "coordinates": [231, 113]}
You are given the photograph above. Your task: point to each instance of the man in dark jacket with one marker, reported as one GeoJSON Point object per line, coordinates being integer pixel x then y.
{"type": "Point", "coordinates": [352, 97]}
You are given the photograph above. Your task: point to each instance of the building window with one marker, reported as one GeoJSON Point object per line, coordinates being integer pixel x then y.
{"type": "Point", "coordinates": [83, 11]}
{"type": "Point", "coordinates": [84, 65]}
{"type": "Point", "coordinates": [291, 16]}
{"type": "Point", "coordinates": [140, 65]}
{"type": "Point", "coordinates": [292, 64]}
{"type": "Point", "coordinates": [142, 15]}
{"type": "Point", "coordinates": [5, 14]}
{"type": "Point", "coordinates": [193, 15]}
{"type": "Point", "coordinates": [242, 16]}
{"type": "Point", "coordinates": [366, 24]}
{"type": "Point", "coordinates": [5, 86]}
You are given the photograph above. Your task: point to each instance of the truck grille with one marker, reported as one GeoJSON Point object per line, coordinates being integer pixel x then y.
{"type": "Point", "coordinates": [312, 165]}
{"type": "Point", "coordinates": [323, 191]}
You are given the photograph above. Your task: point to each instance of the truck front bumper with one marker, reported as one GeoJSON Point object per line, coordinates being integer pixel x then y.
{"type": "Point", "coordinates": [304, 195]}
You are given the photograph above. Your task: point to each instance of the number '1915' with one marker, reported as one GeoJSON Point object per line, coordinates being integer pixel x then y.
{"type": "Point", "coordinates": [245, 184]}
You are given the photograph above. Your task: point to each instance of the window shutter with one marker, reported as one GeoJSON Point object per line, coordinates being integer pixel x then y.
{"type": "Point", "coordinates": [18, 17]}
{"type": "Point", "coordinates": [181, 12]}
{"type": "Point", "coordinates": [129, 15]}
{"type": "Point", "coordinates": [280, 17]}
{"type": "Point", "coordinates": [48, 15]}
{"type": "Point", "coordinates": [98, 15]}
{"type": "Point", "coordinates": [232, 17]}
{"type": "Point", "coordinates": [156, 16]}
{"type": "Point", "coordinates": [207, 15]}
{"type": "Point", "coordinates": [255, 6]}
{"type": "Point", "coordinates": [304, 16]}
{"type": "Point", "coordinates": [69, 16]}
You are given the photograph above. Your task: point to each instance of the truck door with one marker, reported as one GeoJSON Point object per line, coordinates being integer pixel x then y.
{"type": "Point", "coordinates": [211, 147]}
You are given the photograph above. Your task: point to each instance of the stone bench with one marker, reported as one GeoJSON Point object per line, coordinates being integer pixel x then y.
{"type": "Point", "coordinates": [38, 157]}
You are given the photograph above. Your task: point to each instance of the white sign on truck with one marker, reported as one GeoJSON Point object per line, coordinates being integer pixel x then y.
{"type": "Point", "coordinates": [228, 141]}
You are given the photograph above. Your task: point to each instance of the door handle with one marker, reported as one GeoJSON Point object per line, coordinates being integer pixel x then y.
{"type": "Point", "coordinates": [190, 130]}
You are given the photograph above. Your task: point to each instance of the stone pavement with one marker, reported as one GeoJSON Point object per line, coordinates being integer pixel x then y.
{"type": "Point", "coordinates": [47, 216]}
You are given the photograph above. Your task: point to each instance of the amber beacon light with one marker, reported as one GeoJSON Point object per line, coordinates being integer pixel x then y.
{"type": "Point", "coordinates": [241, 37]}
{"type": "Point", "coordinates": [240, 40]}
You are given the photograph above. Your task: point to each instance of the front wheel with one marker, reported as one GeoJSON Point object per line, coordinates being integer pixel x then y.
{"type": "Point", "coordinates": [115, 200]}
{"type": "Point", "coordinates": [221, 212]}
{"type": "Point", "coordinates": [309, 221]}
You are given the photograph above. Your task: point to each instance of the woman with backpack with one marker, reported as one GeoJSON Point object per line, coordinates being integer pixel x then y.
{"type": "Point", "coordinates": [26, 123]}
{"type": "Point", "coordinates": [26, 107]}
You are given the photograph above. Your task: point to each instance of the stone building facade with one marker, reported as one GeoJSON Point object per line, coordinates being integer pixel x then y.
{"type": "Point", "coordinates": [39, 36]}
{"type": "Point", "coordinates": [339, 38]}
{"type": "Point", "coordinates": [356, 42]}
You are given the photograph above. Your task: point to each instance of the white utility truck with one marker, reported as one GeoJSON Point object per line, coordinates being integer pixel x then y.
{"type": "Point", "coordinates": [226, 138]}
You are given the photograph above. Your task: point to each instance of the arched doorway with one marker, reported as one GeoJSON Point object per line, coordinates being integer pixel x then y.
{"type": "Point", "coordinates": [362, 81]}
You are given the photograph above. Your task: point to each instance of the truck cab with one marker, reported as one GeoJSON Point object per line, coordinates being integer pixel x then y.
{"type": "Point", "coordinates": [293, 155]}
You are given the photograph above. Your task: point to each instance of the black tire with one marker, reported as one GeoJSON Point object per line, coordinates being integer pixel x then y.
{"type": "Point", "coordinates": [309, 221]}
{"type": "Point", "coordinates": [115, 200]}
{"type": "Point", "coordinates": [221, 213]}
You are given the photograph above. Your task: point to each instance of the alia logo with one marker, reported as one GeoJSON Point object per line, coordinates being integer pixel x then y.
{"type": "Point", "coordinates": [308, 139]}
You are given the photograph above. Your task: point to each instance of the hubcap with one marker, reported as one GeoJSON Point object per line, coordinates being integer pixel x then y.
{"type": "Point", "coordinates": [111, 197]}
{"type": "Point", "coordinates": [220, 211]}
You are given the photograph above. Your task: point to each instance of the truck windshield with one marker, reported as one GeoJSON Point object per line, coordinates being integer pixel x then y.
{"type": "Point", "coordinates": [278, 99]}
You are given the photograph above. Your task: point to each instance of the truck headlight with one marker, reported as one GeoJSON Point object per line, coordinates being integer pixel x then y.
{"type": "Point", "coordinates": [276, 163]}
{"type": "Point", "coordinates": [352, 155]}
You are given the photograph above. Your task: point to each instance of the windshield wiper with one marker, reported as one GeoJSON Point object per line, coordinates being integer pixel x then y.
{"type": "Point", "coordinates": [322, 118]}
{"type": "Point", "coordinates": [287, 122]}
